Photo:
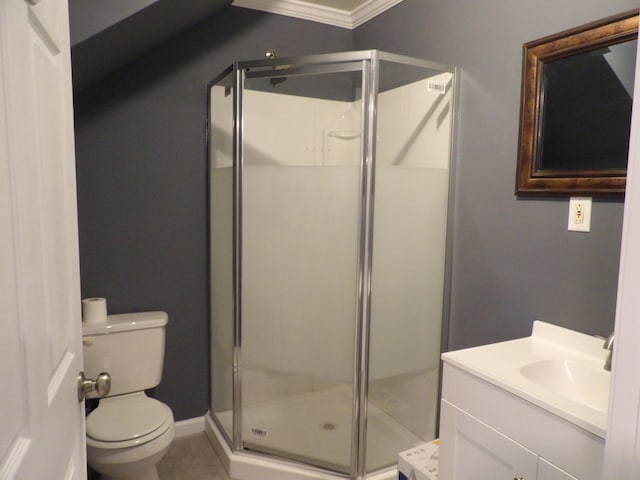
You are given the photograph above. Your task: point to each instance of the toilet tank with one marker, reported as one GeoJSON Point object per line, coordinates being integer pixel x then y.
{"type": "Point", "coordinates": [129, 347]}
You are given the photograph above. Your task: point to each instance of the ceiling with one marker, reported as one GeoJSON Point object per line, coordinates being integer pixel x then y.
{"type": "Point", "coordinates": [102, 31]}
{"type": "Point", "coordinates": [347, 5]}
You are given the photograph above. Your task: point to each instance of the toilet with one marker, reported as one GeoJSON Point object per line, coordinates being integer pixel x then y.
{"type": "Point", "coordinates": [128, 432]}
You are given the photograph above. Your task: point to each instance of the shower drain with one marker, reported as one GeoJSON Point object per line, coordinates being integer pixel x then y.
{"type": "Point", "coordinates": [328, 426]}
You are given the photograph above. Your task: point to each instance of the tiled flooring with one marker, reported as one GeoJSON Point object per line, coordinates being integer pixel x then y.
{"type": "Point", "coordinates": [191, 458]}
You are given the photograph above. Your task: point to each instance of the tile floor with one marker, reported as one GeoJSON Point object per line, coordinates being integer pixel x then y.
{"type": "Point", "coordinates": [191, 458]}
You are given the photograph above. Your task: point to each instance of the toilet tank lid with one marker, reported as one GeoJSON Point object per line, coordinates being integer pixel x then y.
{"type": "Point", "coordinates": [126, 321]}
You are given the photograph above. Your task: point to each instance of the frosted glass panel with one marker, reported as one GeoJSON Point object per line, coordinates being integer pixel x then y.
{"type": "Point", "coordinates": [300, 230]}
{"type": "Point", "coordinates": [221, 248]}
{"type": "Point", "coordinates": [411, 195]}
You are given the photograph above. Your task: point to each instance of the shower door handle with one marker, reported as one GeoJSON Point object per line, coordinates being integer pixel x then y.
{"type": "Point", "coordinates": [101, 385]}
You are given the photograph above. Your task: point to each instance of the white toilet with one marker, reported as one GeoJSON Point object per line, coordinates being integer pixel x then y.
{"type": "Point", "coordinates": [128, 433]}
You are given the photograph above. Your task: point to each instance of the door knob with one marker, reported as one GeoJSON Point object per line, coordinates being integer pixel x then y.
{"type": "Point", "coordinates": [101, 385]}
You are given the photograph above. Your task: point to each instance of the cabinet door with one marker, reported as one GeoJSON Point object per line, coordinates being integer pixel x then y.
{"type": "Point", "coordinates": [548, 471]}
{"type": "Point", "coordinates": [472, 450]}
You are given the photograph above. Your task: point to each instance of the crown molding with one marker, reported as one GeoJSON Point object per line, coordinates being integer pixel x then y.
{"type": "Point", "coordinates": [370, 9]}
{"type": "Point", "coordinates": [320, 13]}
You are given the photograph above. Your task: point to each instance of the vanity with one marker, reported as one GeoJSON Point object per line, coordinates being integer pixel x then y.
{"type": "Point", "coordinates": [525, 409]}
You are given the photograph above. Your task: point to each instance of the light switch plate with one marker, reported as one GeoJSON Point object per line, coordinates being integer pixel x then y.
{"type": "Point", "coordinates": [579, 214]}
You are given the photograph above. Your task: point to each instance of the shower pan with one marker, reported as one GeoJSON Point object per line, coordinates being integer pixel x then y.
{"type": "Point", "coordinates": [329, 185]}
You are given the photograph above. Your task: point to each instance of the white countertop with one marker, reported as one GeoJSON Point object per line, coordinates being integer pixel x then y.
{"type": "Point", "coordinates": [500, 364]}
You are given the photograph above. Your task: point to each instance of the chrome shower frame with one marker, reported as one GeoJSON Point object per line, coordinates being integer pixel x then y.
{"type": "Point", "coordinates": [368, 62]}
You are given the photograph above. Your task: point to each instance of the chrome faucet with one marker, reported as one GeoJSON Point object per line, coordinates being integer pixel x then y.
{"type": "Point", "coordinates": [608, 345]}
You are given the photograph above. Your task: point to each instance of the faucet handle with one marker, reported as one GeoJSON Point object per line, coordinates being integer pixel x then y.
{"type": "Point", "coordinates": [608, 343]}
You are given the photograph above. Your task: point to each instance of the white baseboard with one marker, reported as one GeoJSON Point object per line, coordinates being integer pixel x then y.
{"type": "Point", "coordinates": [190, 426]}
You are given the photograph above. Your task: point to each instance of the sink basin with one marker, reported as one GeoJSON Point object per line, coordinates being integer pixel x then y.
{"type": "Point", "coordinates": [579, 382]}
{"type": "Point", "coordinates": [557, 369]}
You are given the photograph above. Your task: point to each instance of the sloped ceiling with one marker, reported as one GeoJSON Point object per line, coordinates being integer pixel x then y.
{"type": "Point", "coordinates": [106, 35]}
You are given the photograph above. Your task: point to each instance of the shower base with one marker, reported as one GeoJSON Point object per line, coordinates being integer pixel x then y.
{"type": "Point", "coordinates": [315, 429]}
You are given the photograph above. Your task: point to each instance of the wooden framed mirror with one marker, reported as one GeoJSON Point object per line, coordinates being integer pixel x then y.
{"type": "Point", "coordinates": [575, 117]}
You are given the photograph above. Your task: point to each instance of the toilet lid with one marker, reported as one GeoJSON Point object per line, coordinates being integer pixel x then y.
{"type": "Point", "coordinates": [125, 419]}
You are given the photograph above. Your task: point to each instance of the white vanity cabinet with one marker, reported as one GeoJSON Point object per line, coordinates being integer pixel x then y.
{"type": "Point", "coordinates": [487, 432]}
{"type": "Point", "coordinates": [479, 451]}
{"type": "Point", "coordinates": [475, 450]}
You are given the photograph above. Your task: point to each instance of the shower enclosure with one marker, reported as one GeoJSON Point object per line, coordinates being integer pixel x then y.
{"type": "Point", "coordinates": [329, 192]}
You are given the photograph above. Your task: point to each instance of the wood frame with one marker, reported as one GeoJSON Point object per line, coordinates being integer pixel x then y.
{"type": "Point", "coordinates": [530, 179]}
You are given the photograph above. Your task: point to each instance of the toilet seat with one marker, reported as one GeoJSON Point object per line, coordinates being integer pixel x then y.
{"type": "Point", "coordinates": [126, 421]}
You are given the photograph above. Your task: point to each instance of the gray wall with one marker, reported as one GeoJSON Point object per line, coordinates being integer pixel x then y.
{"type": "Point", "coordinates": [110, 41]}
{"type": "Point", "coordinates": [142, 177]}
{"type": "Point", "coordinates": [142, 181]}
{"type": "Point", "coordinates": [514, 260]}
{"type": "Point", "coordinates": [88, 17]}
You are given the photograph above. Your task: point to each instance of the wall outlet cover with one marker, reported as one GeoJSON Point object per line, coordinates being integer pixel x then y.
{"type": "Point", "coordinates": [579, 214]}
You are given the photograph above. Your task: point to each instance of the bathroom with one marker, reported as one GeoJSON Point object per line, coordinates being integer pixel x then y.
{"type": "Point", "coordinates": [142, 179]}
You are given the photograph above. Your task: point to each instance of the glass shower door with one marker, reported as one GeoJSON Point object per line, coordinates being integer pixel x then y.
{"type": "Point", "coordinates": [414, 125]}
{"type": "Point", "coordinates": [301, 155]}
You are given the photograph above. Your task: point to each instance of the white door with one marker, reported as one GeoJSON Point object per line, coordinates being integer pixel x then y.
{"type": "Point", "coordinates": [548, 471]}
{"type": "Point", "coordinates": [622, 450]}
{"type": "Point", "coordinates": [41, 420]}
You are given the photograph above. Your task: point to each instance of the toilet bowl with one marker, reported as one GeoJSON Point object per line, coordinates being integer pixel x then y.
{"type": "Point", "coordinates": [127, 436]}
{"type": "Point", "coordinates": [128, 432]}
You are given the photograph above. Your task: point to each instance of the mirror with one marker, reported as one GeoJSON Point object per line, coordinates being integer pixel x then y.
{"type": "Point", "coordinates": [575, 118]}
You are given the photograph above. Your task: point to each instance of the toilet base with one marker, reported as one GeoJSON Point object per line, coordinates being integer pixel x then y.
{"type": "Point", "coordinates": [141, 470]}
{"type": "Point", "coordinates": [132, 463]}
